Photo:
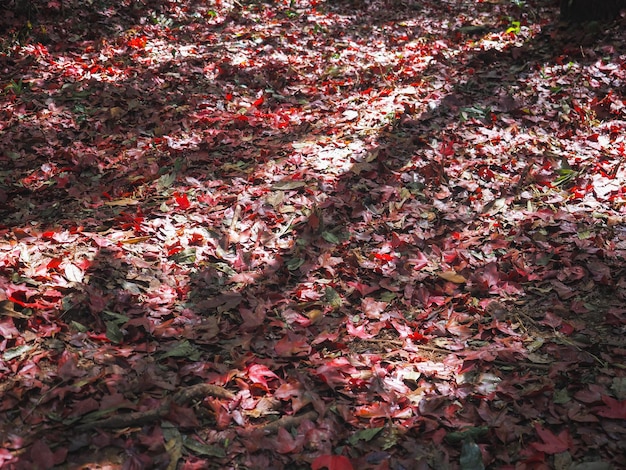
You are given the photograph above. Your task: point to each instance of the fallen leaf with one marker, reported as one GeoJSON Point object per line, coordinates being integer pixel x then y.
{"type": "Point", "coordinates": [452, 276]}
{"type": "Point", "coordinates": [288, 185]}
{"type": "Point", "coordinates": [332, 462]}
{"type": "Point", "coordinates": [615, 409]}
{"type": "Point", "coordinates": [73, 273]}
{"type": "Point", "coordinates": [552, 443]}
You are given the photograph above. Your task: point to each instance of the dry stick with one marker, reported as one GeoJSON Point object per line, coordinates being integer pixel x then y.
{"type": "Point", "coordinates": [447, 351]}
{"type": "Point", "coordinates": [136, 418]}
{"type": "Point", "coordinates": [233, 226]}
{"type": "Point", "coordinates": [288, 422]}
{"type": "Point", "coordinates": [201, 390]}
{"type": "Point", "coordinates": [140, 418]}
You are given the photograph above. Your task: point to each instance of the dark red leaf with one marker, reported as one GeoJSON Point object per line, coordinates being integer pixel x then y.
{"type": "Point", "coordinates": [551, 443]}
{"type": "Point", "coordinates": [615, 409]}
{"type": "Point", "coordinates": [332, 462]}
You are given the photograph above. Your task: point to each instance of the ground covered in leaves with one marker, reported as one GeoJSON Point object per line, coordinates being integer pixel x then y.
{"type": "Point", "coordinates": [317, 234]}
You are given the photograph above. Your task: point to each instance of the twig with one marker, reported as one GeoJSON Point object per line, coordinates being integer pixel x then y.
{"type": "Point", "coordinates": [288, 422]}
{"type": "Point", "coordinates": [233, 225]}
{"type": "Point", "coordinates": [201, 390]}
{"type": "Point", "coordinates": [140, 418]}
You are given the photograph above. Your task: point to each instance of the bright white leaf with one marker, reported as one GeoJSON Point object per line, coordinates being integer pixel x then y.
{"type": "Point", "coordinates": [73, 273]}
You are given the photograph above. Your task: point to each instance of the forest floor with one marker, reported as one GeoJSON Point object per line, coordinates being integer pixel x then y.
{"type": "Point", "coordinates": [317, 234]}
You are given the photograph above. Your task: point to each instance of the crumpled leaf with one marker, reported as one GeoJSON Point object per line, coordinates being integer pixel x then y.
{"type": "Point", "coordinates": [332, 297]}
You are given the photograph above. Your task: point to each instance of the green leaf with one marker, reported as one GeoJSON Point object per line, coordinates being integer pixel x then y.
{"type": "Point", "coordinates": [116, 317]}
{"type": "Point", "coordinates": [114, 333]}
{"type": "Point", "coordinates": [364, 435]}
{"type": "Point", "coordinates": [388, 296]}
{"type": "Point", "coordinates": [166, 181]}
{"type": "Point", "coordinates": [332, 297]}
{"type": "Point", "coordinates": [471, 457]}
{"type": "Point", "coordinates": [182, 349]}
{"type": "Point", "coordinates": [294, 263]}
{"type": "Point", "coordinates": [515, 27]}
{"type": "Point", "coordinates": [16, 352]}
{"type": "Point", "coordinates": [566, 176]}
{"type": "Point", "coordinates": [203, 449]}
{"type": "Point", "coordinates": [330, 237]}
{"type": "Point", "coordinates": [187, 256]}
{"type": "Point", "coordinates": [561, 397]}
{"type": "Point", "coordinates": [467, 434]}
{"type": "Point", "coordinates": [78, 326]}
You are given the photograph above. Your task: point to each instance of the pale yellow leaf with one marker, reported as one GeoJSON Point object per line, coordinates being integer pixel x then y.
{"type": "Point", "coordinates": [122, 202]}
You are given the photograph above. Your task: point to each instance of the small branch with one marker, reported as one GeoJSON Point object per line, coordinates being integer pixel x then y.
{"type": "Point", "coordinates": [201, 390]}
{"type": "Point", "coordinates": [140, 418]}
{"type": "Point", "coordinates": [232, 227]}
{"type": "Point", "coordinates": [136, 418]}
{"type": "Point", "coordinates": [288, 422]}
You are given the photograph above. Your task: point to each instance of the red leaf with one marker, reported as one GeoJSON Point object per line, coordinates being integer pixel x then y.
{"type": "Point", "coordinates": [552, 444]}
{"type": "Point", "coordinates": [358, 331]}
{"type": "Point", "coordinates": [384, 256]}
{"type": "Point", "coordinates": [54, 263]}
{"type": "Point", "coordinates": [252, 319]}
{"type": "Point", "coordinates": [41, 455]}
{"type": "Point", "coordinates": [292, 345]}
{"type": "Point", "coordinates": [446, 148]}
{"type": "Point", "coordinates": [284, 442]}
{"type": "Point", "coordinates": [375, 410]}
{"type": "Point", "coordinates": [373, 308]}
{"type": "Point", "coordinates": [183, 416]}
{"type": "Point", "coordinates": [182, 201]}
{"type": "Point", "coordinates": [259, 374]}
{"type": "Point", "coordinates": [332, 462]}
{"type": "Point", "coordinates": [334, 371]}
{"type": "Point", "coordinates": [614, 409]}
{"type": "Point", "coordinates": [138, 42]}
{"type": "Point", "coordinates": [567, 329]}
{"type": "Point", "coordinates": [363, 289]}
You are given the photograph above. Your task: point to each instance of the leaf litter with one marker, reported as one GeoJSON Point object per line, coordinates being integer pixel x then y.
{"type": "Point", "coordinates": [311, 235]}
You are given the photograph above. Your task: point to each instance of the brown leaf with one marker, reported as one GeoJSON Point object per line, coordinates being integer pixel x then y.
{"type": "Point", "coordinates": [452, 276]}
{"type": "Point", "coordinates": [7, 308]}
